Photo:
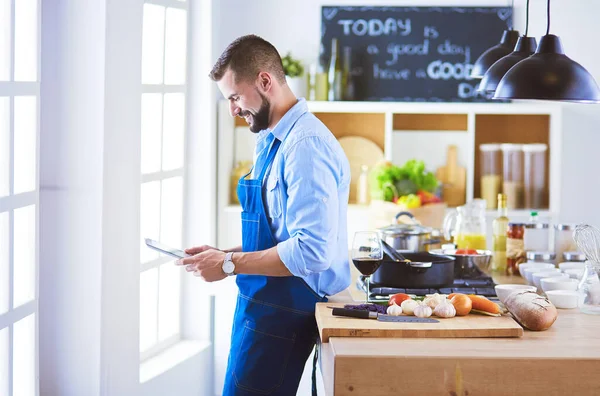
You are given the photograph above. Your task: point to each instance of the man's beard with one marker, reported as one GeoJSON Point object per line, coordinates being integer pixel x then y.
{"type": "Point", "coordinates": [260, 119]}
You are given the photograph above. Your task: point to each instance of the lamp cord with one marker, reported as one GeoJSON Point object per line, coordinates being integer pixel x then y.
{"type": "Point", "coordinates": [548, 17]}
{"type": "Point", "coordinates": [513, 10]}
{"type": "Point", "coordinates": [527, 19]}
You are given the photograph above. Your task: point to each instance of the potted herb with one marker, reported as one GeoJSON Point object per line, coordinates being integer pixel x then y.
{"type": "Point", "coordinates": [294, 75]}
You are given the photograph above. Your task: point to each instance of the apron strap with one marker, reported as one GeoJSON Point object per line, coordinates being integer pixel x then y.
{"type": "Point", "coordinates": [271, 154]}
{"type": "Point", "coordinates": [314, 369]}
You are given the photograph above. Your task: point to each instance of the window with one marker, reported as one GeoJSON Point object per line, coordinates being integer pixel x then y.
{"type": "Point", "coordinates": [163, 116]}
{"type": "Point", "coordinates": [19, 195]}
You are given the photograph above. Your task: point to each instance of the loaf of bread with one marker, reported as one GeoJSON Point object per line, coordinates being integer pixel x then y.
{"type": "Point", "coordinates": [531, 310]}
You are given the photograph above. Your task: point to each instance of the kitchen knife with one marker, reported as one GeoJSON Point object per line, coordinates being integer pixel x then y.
{"type": "Point", "coordinates": [363, 314]}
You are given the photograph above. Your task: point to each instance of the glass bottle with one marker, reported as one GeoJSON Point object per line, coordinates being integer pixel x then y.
{"type": "Point", "coordinates": [321, 82]}
{"type": "Point", "coordinates": [515, 247]}
{"type": "Point", "coordinates": [499, 226]}
{"type": "Point", "coordinates": [348, 87]}
{"type": "Point", "coordinates": [335, 72]}
{"type": "Point", "coordinates": [362, 189]}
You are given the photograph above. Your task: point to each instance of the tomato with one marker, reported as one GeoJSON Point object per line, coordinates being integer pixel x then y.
{"type": "Point", "coordinates": [466, 251]}
{"type": "Point", "coordinates": [462, 303]}
{"type": "Point", "coordinates": [398, 298]}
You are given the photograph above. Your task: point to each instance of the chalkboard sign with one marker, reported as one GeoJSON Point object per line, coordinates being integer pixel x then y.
{"type": "Point", "coordinates": [414, 54]}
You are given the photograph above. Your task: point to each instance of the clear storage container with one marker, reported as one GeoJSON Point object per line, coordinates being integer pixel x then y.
{"type": "Point", "coordinates": [534, 179]}
{"type": "Point", "coordinates": [491, 173]}
{"type": "Point", "coordinates": [563, 239]}
{"type": "Point", "coordinates": [541, 257]}
{"type": "Point", "coordinates": [574, 257]}
{"type": "Point", "coordinates": [512, 183]}
{"type": "Point", "coordinates": [537, 237]}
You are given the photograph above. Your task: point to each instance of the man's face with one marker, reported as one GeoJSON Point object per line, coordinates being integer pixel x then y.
{"type": "Point", "coordinates": [246, 101]}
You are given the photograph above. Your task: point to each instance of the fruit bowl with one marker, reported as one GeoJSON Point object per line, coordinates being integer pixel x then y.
{"type": "Point", "coordinates": [467, 264]}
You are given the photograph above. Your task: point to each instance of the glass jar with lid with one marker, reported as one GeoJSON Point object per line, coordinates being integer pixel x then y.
{"type": "Point", "coordinates": [563, 239]}
{"type": "Point", "coordinates": [534, 180]}
{"type": "Point", "coordinates": [512, 183]}
{"type": "Point", "coordinates": [515, 247]}
{"type": "Point", "coordinates": [574, 257]}
{"type": "Point", "coordinates": [491, 173]}
{"type": "Point", "coordinates": [537, 236]}
{"type": "Point", "coordinates": [541, 257]}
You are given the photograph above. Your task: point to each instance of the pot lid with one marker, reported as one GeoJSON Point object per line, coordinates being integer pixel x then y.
{"type": "Point", "coordinates": [405, 229]}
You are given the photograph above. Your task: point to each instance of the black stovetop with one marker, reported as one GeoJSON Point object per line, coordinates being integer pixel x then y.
{"type": "Point", "coordinates": [483, 286]}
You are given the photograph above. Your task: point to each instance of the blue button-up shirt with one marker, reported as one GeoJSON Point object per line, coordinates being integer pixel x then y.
{"type": "Point", "coordinates": [306, 200]}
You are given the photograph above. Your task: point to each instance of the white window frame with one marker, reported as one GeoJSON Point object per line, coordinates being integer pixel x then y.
{"type": "Point", "coordinates": [163, 89]}
{"type": "Point", "coordinates": [11, 202]}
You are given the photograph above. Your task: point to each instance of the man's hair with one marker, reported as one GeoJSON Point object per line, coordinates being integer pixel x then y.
{"type": "Point", "coordinates": [247, 56]}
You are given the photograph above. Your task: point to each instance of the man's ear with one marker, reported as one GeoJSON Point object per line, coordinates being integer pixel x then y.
{"type": "Point", "coordinates": [264, 82]}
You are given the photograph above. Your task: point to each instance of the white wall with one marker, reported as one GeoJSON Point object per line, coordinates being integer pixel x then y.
{"type": "Point", "coordinates": [296, 27]}
{"type": "Point", "coordinates": [89, 205]}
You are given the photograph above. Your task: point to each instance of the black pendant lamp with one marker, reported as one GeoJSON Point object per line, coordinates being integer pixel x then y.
{"type": "Point", "coordinates": [489, 57]}
{"type": "Point", "coordinates": [549, 75]}
{"type": "Point", "coordinates": [524, 48]}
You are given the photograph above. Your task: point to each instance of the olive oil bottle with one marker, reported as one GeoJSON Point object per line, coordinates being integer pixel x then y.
{"type": "Point", "coordinates": [499, 226]}
{"type": "Point", "coordinates": [335, 72]}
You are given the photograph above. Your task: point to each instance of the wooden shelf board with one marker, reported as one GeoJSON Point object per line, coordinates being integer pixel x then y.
{"type": "Point", "coordinates": [430, 122]}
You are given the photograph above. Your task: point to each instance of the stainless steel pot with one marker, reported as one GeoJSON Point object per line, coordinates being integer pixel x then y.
{"type": "Point", "coordinates": [407, 237]}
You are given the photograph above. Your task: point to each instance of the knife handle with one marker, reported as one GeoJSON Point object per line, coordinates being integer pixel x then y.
{"type": "Point", "coordinates": [353, 313]}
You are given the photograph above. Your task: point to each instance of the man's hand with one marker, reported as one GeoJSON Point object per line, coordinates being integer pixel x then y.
{"type": "Point", "coordinates": [207, 264]}
{"type": "Point", "coordinates": [199, 249]}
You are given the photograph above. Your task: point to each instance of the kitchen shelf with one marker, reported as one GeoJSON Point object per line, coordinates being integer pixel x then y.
{"type": "Point", "coordinates": [516, 213]}
{"type": "Point", "coordinates": [413, 130]}
{"type": "Point", "coordinates": [513, 128]}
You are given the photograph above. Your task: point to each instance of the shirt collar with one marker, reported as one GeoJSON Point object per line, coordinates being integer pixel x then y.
{"type": "Point", "coordinates": [283, 127]}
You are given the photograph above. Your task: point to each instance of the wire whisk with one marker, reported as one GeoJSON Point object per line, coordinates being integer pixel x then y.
{"type": "Point", "coordinates": [587, 238]}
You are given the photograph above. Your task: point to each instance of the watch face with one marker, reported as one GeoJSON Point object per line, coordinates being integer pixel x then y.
{"type": "Point", "coordinates": [228, 267]}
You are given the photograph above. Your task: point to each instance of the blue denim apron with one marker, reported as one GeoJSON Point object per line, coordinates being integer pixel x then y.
{"type": "Point", "coordinates": [274, 327]}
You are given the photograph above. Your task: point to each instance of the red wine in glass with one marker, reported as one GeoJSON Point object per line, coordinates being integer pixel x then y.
{"type": "Point", "coordinates": [366, 266]}
{"type": "Point", "coordinates": [367, 255]}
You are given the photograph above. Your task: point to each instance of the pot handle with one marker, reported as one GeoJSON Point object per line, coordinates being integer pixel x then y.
{"type": "Point", "coordinates": [449, 221]}
{"type": "Point", "coordinates": [432, 241]}
{"type": "Point", "coordinates": [417, 264]}
{"type": "Point", "coordinates": [412, 217]}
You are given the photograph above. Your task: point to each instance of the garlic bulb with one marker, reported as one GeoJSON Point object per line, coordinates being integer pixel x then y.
{"type": "Point", "coordinates": [445, 309]}
{"type": "Point", "coordinates": [408, 306]}
{"type": "Point", "coordinates": [423, 311]}
{"type": "Point", "coordinates": [394, 310]}
{"type": "Point", "coordinates": [432, 300]}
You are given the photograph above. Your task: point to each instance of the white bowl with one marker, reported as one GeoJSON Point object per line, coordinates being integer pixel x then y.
{"type": "Point", "coordinates": [503, 291]}
{"type": "Point", "coordinates": [570, 265]}
{"type": "Point", "coordinates": [566, 299]}
{"type": "Point", "coordinates": [558, 283]}
{"type": "Point", "coordinates": [527, 272]}
{"type": "Point", "coordinates": [575, 273]}
{"type": "Point", "coordinates": [538, 276]}
{"type": "Point", "coordinates": [525, 266]}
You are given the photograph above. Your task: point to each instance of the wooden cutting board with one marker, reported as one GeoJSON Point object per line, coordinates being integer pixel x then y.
{"type": "Point", "coordinates": [470, 326]}
{"type": "Point", "coordinates": [453, 179]}
{"type": "Point", "coordinates": [359, 151]}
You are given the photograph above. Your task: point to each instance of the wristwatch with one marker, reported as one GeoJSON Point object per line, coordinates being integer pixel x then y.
{"type": "Point", "coordinates": [228, 265]}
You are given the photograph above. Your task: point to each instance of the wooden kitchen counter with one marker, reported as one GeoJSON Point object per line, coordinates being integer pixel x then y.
{"type": "Point", "coordinates": [563, 360]}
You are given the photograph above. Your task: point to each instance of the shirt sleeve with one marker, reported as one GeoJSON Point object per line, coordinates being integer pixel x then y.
{"type": "Point", "coordinates": [311, 175]}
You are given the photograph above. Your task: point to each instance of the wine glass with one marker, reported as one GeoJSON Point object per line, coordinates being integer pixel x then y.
{"type": "Point", "coordinates": [367, 254]}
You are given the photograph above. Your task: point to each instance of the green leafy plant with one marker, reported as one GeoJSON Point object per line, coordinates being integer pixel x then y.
{"type": "Point", "coordinates": [292, 67]}
{"type": "Point", "coordinates": [387, 180]}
